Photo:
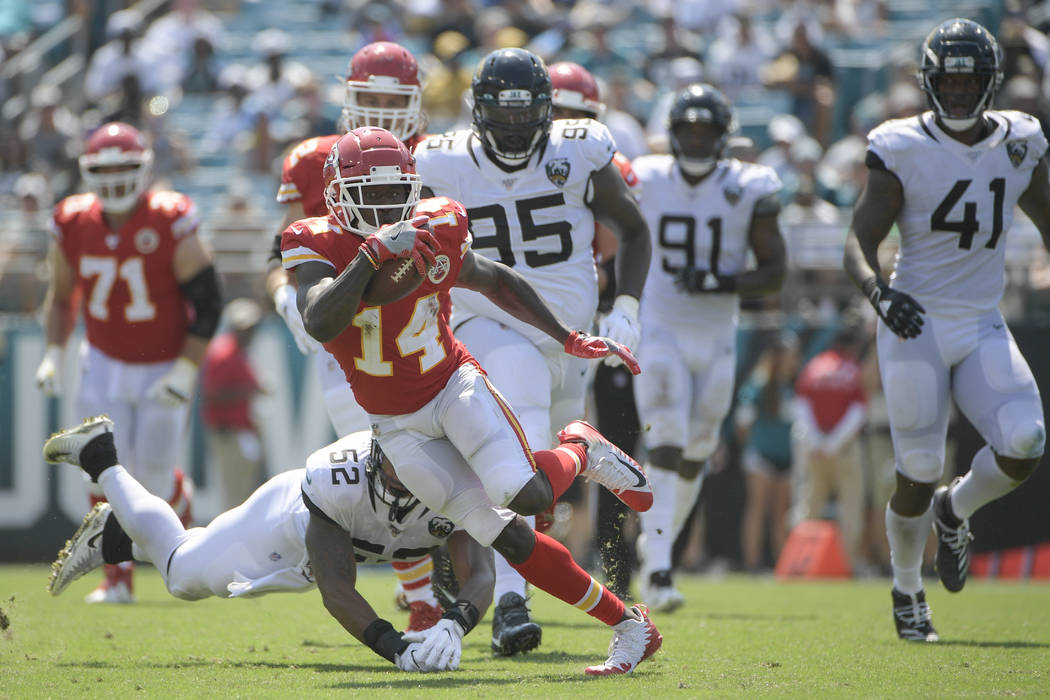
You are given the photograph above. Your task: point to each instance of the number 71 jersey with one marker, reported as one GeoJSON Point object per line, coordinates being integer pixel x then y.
{"type": "Point", "coordinates": [958, 203]}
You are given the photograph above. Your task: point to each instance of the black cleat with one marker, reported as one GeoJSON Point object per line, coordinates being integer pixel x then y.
{"type": "Point", "coordinates": [912, 615]}
{"type": "Point", "coordinates": [443, 580]}
{"type": "Point", "coordinates": [513, 631]}
{"type": "Point", "coordinates": [953, 541]}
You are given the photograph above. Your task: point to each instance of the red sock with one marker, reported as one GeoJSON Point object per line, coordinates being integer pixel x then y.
{"type": "Point", "coordinates": [561, 465]}
{"type": "Point", "coordinates": [551, 568]}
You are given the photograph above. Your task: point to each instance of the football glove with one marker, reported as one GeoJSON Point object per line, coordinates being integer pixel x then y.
{"type": "Point", "coordinates": [901, 313]}
{"type": "Point", "coordinates": [49, 372]}
{"type": "Point", "coordinates": [696, 281]}
{"type": "Point", "coordinates": [406, 239]}
{"type": "Point", "coordinates": [176, 386]}
{"type": "Point", "coordinates": [621, 326]}
{"type": "Point", "coordinates": [592, 347]}
{"type": "Point", "coordinates": [441, 646]}
{"type": "Point", "coordinates": [284, 302]}
{"type": "Point", "coordinates": [407, 660]}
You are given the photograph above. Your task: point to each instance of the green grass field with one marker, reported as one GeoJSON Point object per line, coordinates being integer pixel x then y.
{"type": "Point", "coordinates": [735, 637]}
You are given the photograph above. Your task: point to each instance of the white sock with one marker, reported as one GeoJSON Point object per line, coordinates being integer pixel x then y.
{"type": "Point", "coordinates": [984, 483]}
{"type": "Point", "coordinates": [508, 580]}
{"type": "Point", "coordinates": [907, 538]}
{"type": "Point", "coordinates": [149, 520]}
{"type": "Point", "coordinates": [685, 495]}
{"type": "Point", "coordinates": [657, 522]}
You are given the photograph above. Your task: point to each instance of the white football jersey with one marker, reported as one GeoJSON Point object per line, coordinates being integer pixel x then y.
{"type": "Point", "coordinates": [535, 220]}
{"type": "Point", "coordinates": [335, 482]}
{"type": "Point", "coordinates": [705, 226]}
{"type": "Point", "coordinates": [958, 204]}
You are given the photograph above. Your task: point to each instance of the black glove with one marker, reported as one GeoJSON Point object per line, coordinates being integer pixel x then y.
{"type": "Point", "coordinates": [697, 281]}
{"type": "Point", "coordinates": [899, 311]}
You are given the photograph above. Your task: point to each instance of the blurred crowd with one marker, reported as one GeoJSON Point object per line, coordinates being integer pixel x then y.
{"type": "Point", "coordinates": [225, 87]}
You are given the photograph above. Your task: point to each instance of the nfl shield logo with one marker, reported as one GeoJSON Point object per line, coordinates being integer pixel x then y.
{"type": "Point", "coordinates": [558, 171]}
{"type": "Point", "coordinates": [1016, 150]}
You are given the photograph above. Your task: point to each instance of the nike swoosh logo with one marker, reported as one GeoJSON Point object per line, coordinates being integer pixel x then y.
{"type": "Point", "coordinates": [997, 326]}
{"type": "Point", "coordinates": [91, 540]}
{"type": "Point", "coordinates": [641, 476]}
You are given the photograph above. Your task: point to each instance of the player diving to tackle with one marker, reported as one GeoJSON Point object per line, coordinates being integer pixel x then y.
{"type": "Point", "coordinates": [302, 528]}
{"type": "Point", "coordinates": [452, 438]}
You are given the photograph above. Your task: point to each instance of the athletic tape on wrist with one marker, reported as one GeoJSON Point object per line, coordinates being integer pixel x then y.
{"type": "Point", "coordinates": [464, 613]}
{"type": "Point", "coordinates": [383, 639]}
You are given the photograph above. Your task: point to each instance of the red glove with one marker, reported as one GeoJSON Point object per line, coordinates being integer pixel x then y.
{"type": "Point", "coordinates": [593, 347]}
{"type": "Point", "coordinates": [405, 239]}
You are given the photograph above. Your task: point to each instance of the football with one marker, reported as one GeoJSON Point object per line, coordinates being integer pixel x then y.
{"type": "Point", "coordinates": [395, 279]}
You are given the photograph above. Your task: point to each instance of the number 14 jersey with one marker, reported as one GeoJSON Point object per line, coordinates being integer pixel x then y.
{"type": "Point", "coordinates": [958, 203]}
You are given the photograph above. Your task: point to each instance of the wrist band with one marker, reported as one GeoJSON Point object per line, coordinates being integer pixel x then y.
{"type": "Point", "coordinates": [383, 639]}
{"type": "Point", "coordinates": [464, 613]}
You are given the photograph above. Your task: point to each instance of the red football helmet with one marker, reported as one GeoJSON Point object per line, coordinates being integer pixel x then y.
{"type": "Point", "coordinates": [116, 164]}
{"type": "Point", "coordinates": [575, 88]}
{"type": "Point", "coordinates": [365, 157]}
{"type": "Point", "coordinates": [377, 73]}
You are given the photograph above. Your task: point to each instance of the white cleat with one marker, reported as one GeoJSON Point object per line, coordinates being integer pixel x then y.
{"type": "Point", "coordinates": [64, 446]}
{"type": "Point", "coordinates": [664, 598]}
{"type": "Point", "coordinates": [633, 642]}
{"type": "Point", "coordinates": [82, 553]}
{"type": "Point", "coordinates": [114, 594]}
{"type": "Point", "coordinates": [610, 466]}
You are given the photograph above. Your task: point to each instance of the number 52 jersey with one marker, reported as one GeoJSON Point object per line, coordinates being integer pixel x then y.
{"type": "Point", "coordinates": [958, 203]}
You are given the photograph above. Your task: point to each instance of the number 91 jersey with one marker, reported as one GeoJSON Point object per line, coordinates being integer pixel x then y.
{"type": "Point", "coordinates": [336, 485]}
{"type": "Point", "coordinates": [535, 220]}
{"type": "Point", "coordinates": [958, 203]}
{"type": "Point", "coordinates": [706, 226]}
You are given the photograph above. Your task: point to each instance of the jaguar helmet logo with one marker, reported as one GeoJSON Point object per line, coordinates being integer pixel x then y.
{"type": "Point", "coordinates": [1016, 150]}
{"type": "Point", "coordinates": [440, 527]}
{"type": "Point", "coordinates": [558, 171]}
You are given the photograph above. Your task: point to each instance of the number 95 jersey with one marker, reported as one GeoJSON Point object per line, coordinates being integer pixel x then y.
{"type": "Point", "coordinates": [706, 227]}
{"type": "Point", "coordinates": [535, 220]}
{"type": "Point", "coordinates": [336, 488]}
{"type": "Point", "coordinates": [958, 203]}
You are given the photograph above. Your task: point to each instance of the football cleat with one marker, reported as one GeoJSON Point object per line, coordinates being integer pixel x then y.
{"type": "Point", "coordinates": [83, 551]}
{"type": "Point", "coordinates": [422, 616]}
{"type": "Point", "coordinates": [400, 599]}
{"type": "Point", "coordinates": [116, 589]}
{"type": "Point", "coordinates": [610, 466]}
{"type": "Point", "coordinates": [633, 642]}
{"type": "Point", "coordinates": [953, 541]}
{"type": "Point", "coordinates": [443, 582]}
{"type": "Point", "coordinates": [912, 616]}
{"type": "Point", "coordinates": [64, 447]}
{"type": "Point", "coordinates": [513, 631]}
{"type": "Point", "coordinates": [661, 593]}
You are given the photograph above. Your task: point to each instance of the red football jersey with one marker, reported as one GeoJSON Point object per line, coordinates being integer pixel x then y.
{"type": "Point", "coordinates": [302, 173]}
{"type": "Point", "coordinates": [134, 310]}
{"type": "Point", "coordinates": [396, 357]}
{"type": "Point", "coordinates": [832, 381]}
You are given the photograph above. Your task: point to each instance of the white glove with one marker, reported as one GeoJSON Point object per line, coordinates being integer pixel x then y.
{"type": "Point", "coordinates": [407, 660]}
{"type": "Point", "coordinates": [621, 325]}
{"type": "Point", "coordinates": [176, 386]}
{"type": "Point", "coordinates": [49, 372]}
{"type": "Point", "coordinates": [284, 301]}
{"type": "Point", "coordinates": [441, 645]}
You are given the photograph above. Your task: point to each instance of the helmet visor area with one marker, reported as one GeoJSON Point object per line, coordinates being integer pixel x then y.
{"type": "Point", "coordinates": [509, 117]}
{"type": "Point", "coordinates": [960, 95]}
{"type": "Point", "coordinates": [362, 204]}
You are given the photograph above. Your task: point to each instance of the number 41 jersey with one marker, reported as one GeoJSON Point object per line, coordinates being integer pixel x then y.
{"type": "Point", "coordinates": [535, 220]}
{"type": "Point", "coordinates": [958, 203]}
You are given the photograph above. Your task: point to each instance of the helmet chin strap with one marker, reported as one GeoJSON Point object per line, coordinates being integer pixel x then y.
{"type": "Point", "coordinates": [959, 124]}
{"type": "Point", "coordinates": [697, 167]}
